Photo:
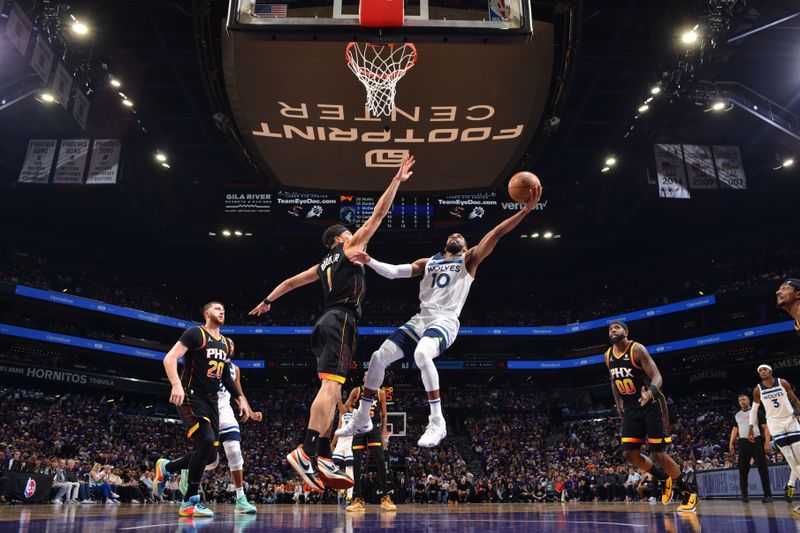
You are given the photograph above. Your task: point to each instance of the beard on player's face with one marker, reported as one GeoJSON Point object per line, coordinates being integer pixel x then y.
{"type": "Point", "coordinates": [453, 247]}
{"type": "Point", "coordinates": [616, 337]}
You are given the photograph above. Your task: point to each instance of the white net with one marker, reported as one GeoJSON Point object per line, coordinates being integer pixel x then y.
{"type": "Point", "coordinates": [379, 67]}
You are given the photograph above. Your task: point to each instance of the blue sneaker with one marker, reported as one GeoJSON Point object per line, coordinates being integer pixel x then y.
{"type": "Point", "coordinates": [161, 477]}
{"type": "Point", "coordinates": [195, 508]}
{"type": "Point", "coordinates": [243, 506]}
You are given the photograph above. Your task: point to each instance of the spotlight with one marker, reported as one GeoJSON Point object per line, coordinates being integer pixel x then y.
{"type": "Point", "coordinates": [47, 98]}
{"type": "Point", "coordinates": [79, 28]}
{"type": "Point", "coordinates": [690, 36]}
{"type": "Point", "coordinates": [557, 236]}
{"type": "Point", "coordinates": [212, 234]}
{"type": "Point", "coordinates": [237, 233]}
{"type": "Point", "coordinates": [226, 233]}
{"type": "Point", "coordinates": [548, 235]}
{"type": "Point", "coordinates": [115, 83]}
{"type": "Point", "coordinates": [165, 165]}
{"type": "Point", "coordinates": [611, 161]}
{"type": "Point", "coordinates": [788, 162]}
{"type": "Point", "coordinates": [535, 235]}
{"type": "Point", "coordinates": [648, 100]}
{"type": "Point", "coordinates": [127, 103]}
{"type": "Point", "coordinates": [160, 157]}
{"type": "Point", "coordinates": [655, 90]}
{"type": "Point", "coordinates": [719, 105]}
{"type": "Point", "coordinates": [643, 108]}
{"type": "Point", "coordinates": [523, 236]}
{"type": "Point", "coordinates": [605, 169]}
{"type": "Point", "coordinates": [248, 234]}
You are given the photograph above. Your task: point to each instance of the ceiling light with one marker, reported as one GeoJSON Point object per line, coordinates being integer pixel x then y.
{"type": "Point", "coordinates": [655, 89]}
{"type": "Point", "coordinates": [127, 103]}
{"type": "Point", "coordinates": [212, 234]}
{"type": "Point", "coordinates": [690, 37]}
{"type": "Point", "coordinates": [605, 169]}
{"type": "Point", "coordinates": [719, 105]}
{"type": "Point", "coordinates": [226, 233]}
{"type": "Point", "coordinates": [237, 233]}
{"type": "Point", "coordinates": [523, 236]}
{"type": "Point", "coordinates": [557, 236]}
{"type": "Point", "coordinates": [788, 162]}
{"type": "Point", "coordinates": [80, 28]}
{"type": "Point", "coordinates": [248, 234]}
{"type": "Point", "coordinates": [548, 235]}
{"type": "Point", "coordinates": [115, 83]}
{"type": "Point", "coordinates": [47, 97]}
{"type": "Point", "coordinates": [160, 157]}
{"type": "Point", "coordinates": [648, 100]}
{"type": "Point", "coordinates": [165, 165]}
{"type": "Point", "coordinates": [643, 108]}
{"type": "Point", "coordinates": [611, 161]}
{"type": "Point", "coordinates": [535, 235]}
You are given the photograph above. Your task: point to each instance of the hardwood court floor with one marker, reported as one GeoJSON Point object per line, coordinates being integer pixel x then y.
{"type": "Point", "coordinates": [711, 517]}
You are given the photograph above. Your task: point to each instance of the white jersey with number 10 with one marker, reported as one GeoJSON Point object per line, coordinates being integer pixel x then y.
{"type": "Point", "coordinates": [445, 285]}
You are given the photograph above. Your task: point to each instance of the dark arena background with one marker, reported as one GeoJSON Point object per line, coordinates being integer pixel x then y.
{"type": "Point", "coordinates": [157, 156]}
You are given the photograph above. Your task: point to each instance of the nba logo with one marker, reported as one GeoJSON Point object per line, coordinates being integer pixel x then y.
{"type": "Point", "coordinates": [30, 488]}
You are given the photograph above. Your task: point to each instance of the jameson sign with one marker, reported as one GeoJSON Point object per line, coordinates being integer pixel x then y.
{"type": "Point", "coordinates": [13, 372]}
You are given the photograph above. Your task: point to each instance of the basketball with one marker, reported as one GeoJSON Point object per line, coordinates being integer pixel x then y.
{"type": "Point", "coordinates": [520, 184]}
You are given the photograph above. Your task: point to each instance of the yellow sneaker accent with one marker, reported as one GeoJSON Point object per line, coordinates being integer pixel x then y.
{"type": "Point", "coordinates": [387, 503]}
{"type": "Point", "coordinates": [357, 505]}
{"type": "Point", "coordinates": [666, 496]}
{"type": "Point", "coordinates": [690, 505]}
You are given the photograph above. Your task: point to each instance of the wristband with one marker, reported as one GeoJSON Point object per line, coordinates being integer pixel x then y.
{"type": "Point", "coordinates": [266, 301]}
{"type": "Point", "coordinates": [653, 389]}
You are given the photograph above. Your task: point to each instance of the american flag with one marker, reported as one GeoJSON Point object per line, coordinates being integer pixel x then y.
{"type": "Point", "coordinates": [270, 10]}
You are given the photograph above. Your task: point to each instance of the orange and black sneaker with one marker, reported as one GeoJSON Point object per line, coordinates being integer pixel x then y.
{"type": "Point", "coordinates": [387, 504]}
{"type": "Point", "coordinates": [332, 475]}
{"type": "Point", "coordinates": [666, 494]}
{"type": "Point", "coordinates": [305, 468]}
{"type": "Point", "coordinates": [357, 505]}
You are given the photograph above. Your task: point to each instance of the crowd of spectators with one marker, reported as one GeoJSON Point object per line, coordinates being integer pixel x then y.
{"type": "Point", "coordinates": [104, 449]}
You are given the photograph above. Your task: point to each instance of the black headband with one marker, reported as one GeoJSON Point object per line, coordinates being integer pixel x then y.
{"type": "Point", "coordinates": [792, 282]}
{"type": "Point", "coordinates": [331, 233]}
{"type": "Point", "coordinates": [622, 324]}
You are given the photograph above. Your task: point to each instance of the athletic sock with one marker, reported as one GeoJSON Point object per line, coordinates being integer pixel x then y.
{"type": "Point", "coordinates": [436, 407]}
{"type": "Point", "coordinates": [324, 449]}
{"type": "Point", "coordinates": [311, 443]}
{"type": "Point", "coordinates": [658, 472]}
{"type": "Point", "coordinates": [239, 492]}
{"type": "Point", "coordinates": [365, 405]}
{"type": "Point", "coordinates": [681, 485]}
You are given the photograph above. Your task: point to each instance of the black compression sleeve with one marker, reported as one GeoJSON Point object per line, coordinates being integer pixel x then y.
{"type": "Point", "coordinates": [229, 382]}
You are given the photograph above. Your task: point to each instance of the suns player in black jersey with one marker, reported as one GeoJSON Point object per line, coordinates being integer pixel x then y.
{"type": "Point", "coordinates": [375, 441]}
{"type": "Point", "coordinates": [206, 362]}
{"type": "Point", "coordinates": [335, 335]}
{"type": "Point", "coordinates": [636, 385]}
{"type": "Point", "coordinates": [788, 299]}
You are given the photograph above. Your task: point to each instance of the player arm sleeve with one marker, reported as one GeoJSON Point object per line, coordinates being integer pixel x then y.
{"type": "Point", "coordinates": [192, 338]}
{"type": "Point", "coordinates": [754, 414]}
{"type": "Point", "coordinates": [390, 271]}
{"type": "Point", "coordinates": [229, 382]}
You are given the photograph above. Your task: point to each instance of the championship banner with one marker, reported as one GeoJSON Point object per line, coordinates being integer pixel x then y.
{"type": "Point", "coordinates": [80, 109]}
{"type": "Point", "coordinates": [670, 170]}
{"type": "Point", "coordinates": [18, 29]}
{"type": "Point", "coordinates": [62, 85]}
{"type": "Point", "coordinates": [38, 161]}
{"type": "Point", "coordinates": [105, 161]}
{"type": "Point", "coordinates": [71, 161]}
{"type": "Point", "coordinates": [26, 487]}
{"type": "Point", "coordinates": [42, 59]}
{"type": "Point", "coordinates": [729, 167]}
{"type": "Point", "coordinates": [700, 167]}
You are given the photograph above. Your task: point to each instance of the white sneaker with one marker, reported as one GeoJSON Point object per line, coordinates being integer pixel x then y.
{"type": "Point", "coordinates": [434, 433]}
{"type": "Point", "coordinates": [115, 495]}
{"type": "Point", "coordinates": [361, 423]}
{"type": "Point", "coordinates": [87, 502]}
{"type": "Point", "coordinates": [55, 501]}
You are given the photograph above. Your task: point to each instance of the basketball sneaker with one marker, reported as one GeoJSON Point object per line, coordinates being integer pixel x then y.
{"type": "Point", "coordinates": [161, 477]}
{"type": "Point", "coordinates": [183, 484]}
{"type": "Point", "coordinates": [689, 504]}
{"type": "Point", "coordinates": [332, 475]}
{"type": "Point", "coordinates": [195, 508]}
{"type": "Point", "coordinates": [305, 468]}
{"type": "Point", "coordinates": [357, 505]}
{"type": "Point", "coordinates": [434, 433]}
{"type": "Point", "coordinates": [788, 493]}
{"type": "Point", "coordinates": [387, 504]}
{"type": "Point", "coordinates": [243, 506]}
{"type": "Point", "coordinates": [666, 494]}
{"type": "Point", "coordinates": [360, 423]}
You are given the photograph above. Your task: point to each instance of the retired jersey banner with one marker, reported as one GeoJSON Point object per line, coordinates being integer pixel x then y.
{"type": "Point", "coordinates": [670, 170]}
{"type": "Point", "coordinates": [18, 29]}
{"type": "Point", "coordinates": [105, 161]}
{"type": "Point", "coordinates": [700, 169]}
{"type": "Point", "coordinates": [729, 167]}
{"type": "Point", "coordinates": [38, 161]}
{"type": "Point", "coordinates": [71, 161]}
{"type": "Point", "coordinates": [80, 109]}
{"type": "Point", "coordinates": [42, 59]}
{"type": "Point", "coordinates": [62, 85]}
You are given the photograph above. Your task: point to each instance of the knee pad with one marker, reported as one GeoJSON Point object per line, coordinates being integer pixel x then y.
{"type": "Point", "coordinates": [388, 353]}
{"type": "Point", "coordinates": [233, 451]}
{"type": "Point", "coordinates": [427, 350]}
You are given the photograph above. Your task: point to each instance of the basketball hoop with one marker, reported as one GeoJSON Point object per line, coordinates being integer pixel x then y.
{"type": "Point", "coordinates": [379, 67]}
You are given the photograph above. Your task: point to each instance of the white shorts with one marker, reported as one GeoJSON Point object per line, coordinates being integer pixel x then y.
{"type": "Point", "coordinates": [426, 324]}
{"type": "Point", "coordinates": [344, 451]}
{"type": "Point", "coordinates": [784, 431]}
{"type": "Point", "coordinates": [228, 425]}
